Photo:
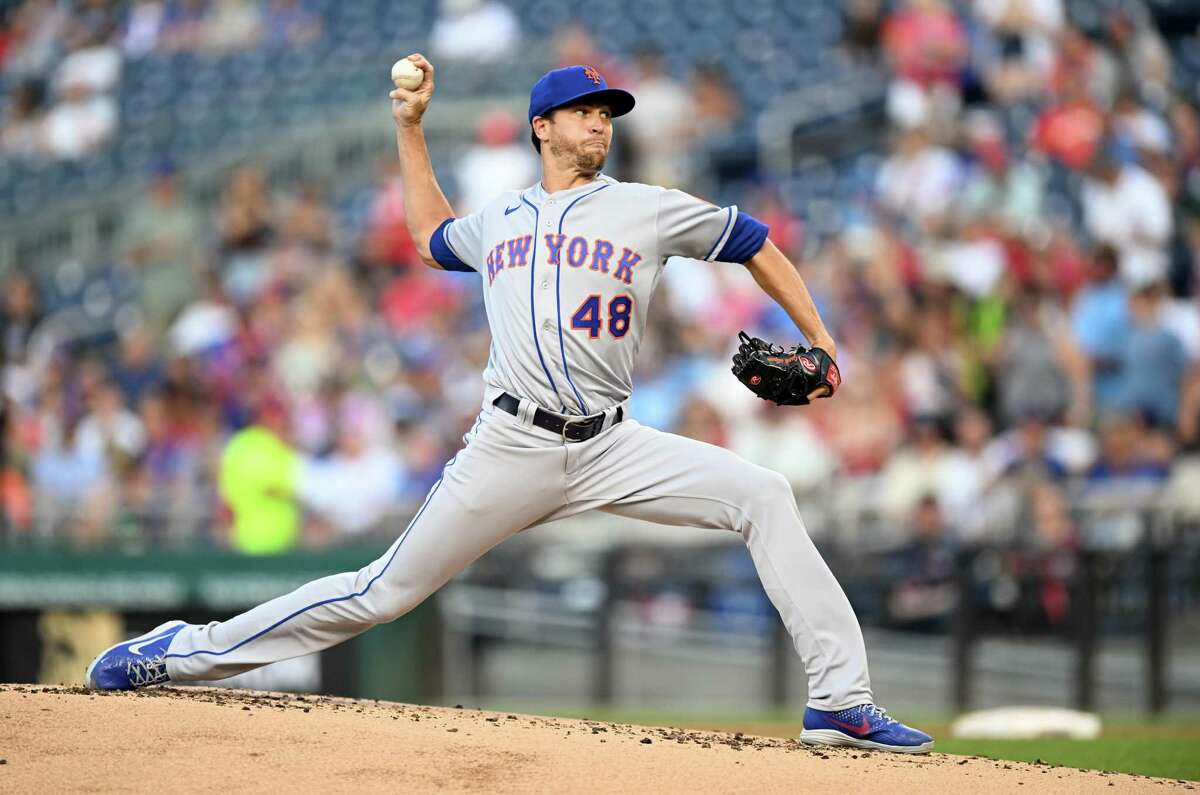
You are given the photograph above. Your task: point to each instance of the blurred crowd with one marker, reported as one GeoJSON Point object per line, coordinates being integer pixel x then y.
{"type": "Point", "coordinates": [61, 60]}
{"type": "Point", "coordinates": [1016, 299]}
{"type": "Point", "coordinates": [1013, 292]}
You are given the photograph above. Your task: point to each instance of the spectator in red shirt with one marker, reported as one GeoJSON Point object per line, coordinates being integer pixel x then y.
{"type": "Point", "coordinates": [1070, 131]}
{"type": "Point", "coordinates": [926, 43]}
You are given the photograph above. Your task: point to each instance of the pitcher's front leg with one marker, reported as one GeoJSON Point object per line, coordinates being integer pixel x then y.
{"type": "Point", "coordinates": [661, 477]}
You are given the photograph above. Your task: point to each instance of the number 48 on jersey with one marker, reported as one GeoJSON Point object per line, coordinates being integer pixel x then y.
{"type": "Point", "coordinates": [588, 316]}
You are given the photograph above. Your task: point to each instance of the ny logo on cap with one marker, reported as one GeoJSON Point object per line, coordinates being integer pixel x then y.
{"type": "Point", "coordinates": [591, 74]}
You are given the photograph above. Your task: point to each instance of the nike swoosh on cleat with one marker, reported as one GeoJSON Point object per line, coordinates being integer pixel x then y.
{"type": "Point", "coordinates": [862, 728]}
{"type": "Point", "coordinates": [136, 648]}
{"type": "Point", "coordinates": [511, 210]}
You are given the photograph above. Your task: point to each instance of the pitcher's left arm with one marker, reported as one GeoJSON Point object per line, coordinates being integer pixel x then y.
{"type": "Point", "coordinates": [778, 278]}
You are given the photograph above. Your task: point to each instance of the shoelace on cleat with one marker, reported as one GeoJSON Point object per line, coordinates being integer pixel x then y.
{"type": "Point", "coordinates": [880, 713]}
{"type": "Point", "coordinates": [150, 671]}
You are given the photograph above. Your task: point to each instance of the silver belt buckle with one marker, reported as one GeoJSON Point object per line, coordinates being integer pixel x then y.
{"type": "Point", "coordinates": [567, 424]}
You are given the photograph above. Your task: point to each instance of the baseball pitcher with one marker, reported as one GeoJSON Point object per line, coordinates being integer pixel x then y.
{"type": "Point", "coordinates": [567, 268]}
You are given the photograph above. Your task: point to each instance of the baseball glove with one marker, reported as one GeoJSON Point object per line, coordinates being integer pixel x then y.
{"type": "Point", "coordinates": [785, 376]}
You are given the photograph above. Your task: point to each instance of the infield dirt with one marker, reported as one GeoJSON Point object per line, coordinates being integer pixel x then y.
{"type": "Point", "coordinates": [55, 739]}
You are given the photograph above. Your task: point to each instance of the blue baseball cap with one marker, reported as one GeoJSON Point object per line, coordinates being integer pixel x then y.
{"type": "Point", "coordinates": [560, 87]}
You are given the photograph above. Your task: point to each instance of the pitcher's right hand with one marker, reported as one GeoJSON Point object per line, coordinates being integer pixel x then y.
{"type": "Point", "coordinates": [409, 106]}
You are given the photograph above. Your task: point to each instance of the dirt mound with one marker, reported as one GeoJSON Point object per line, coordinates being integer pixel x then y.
{"type": "Point", "coordinates": [191, 739]}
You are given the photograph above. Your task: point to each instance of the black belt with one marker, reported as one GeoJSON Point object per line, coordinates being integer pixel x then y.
{"type": "Point", "coordinates": [572, 429]}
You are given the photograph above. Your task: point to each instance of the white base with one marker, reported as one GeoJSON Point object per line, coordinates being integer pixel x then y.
{"type": "Point", "coordinates": [1027, 723]}
{"type": "Point", "coordinates": [835, 737]}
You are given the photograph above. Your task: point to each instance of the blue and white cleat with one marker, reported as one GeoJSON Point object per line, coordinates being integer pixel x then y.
{"type": "Point", "coordinates": [138, 662]}
{"type": "Point", "coordinates": [864, 726]}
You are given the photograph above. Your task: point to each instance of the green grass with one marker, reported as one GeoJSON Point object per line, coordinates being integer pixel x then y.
{"type": "Point", "coordinates": [1169, 757]}
{"type": "Point", "coordinates": [1168, 747]}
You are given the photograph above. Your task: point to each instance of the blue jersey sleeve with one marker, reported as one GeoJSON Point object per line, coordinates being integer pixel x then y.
{"type": "Point", "coordinates": [745, 239]}
{"type": "Point", "coordinates": [443, 251]}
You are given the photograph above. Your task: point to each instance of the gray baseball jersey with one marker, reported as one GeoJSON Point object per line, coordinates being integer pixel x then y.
{"type": "Point", "coordinates": [567, 279]}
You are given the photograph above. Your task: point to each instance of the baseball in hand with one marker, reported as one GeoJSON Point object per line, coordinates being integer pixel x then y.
{"type": "Point", "coordinates": [407, 75]}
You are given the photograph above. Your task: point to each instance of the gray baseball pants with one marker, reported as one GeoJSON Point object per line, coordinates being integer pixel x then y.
{"type": "Point", "coordinates": [512, 474]}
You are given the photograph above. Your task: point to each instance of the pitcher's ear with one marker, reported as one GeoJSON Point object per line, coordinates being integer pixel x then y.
{"type": "Point", "coordinates": [533, 135]}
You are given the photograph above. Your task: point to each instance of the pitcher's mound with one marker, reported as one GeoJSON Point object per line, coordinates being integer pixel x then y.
{"type": "Point", "coordinates": [192, 739]}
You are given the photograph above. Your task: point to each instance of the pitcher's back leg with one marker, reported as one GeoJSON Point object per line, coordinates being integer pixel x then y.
{"type": "Point", "coordinates": [492, 489]}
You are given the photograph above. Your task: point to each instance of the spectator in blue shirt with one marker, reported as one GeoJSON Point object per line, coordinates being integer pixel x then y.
{"type": "Point", "coordinates": [1099, 319]}
{"type": "Point", "coordinates": [1153, 361]}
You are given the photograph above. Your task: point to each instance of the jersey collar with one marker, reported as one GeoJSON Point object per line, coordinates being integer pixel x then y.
{"type": "Point", "coordinates": [538, 194]}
